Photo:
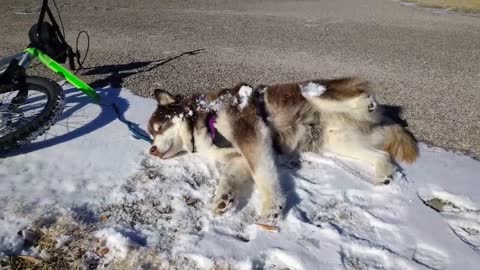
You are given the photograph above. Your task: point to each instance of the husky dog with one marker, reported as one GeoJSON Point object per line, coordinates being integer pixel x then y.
{"type": "Point", "coordinates": [244, 128]}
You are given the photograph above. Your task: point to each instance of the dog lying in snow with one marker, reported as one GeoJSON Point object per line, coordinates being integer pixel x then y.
{"type": "Point", "coordinates": [244, 128]}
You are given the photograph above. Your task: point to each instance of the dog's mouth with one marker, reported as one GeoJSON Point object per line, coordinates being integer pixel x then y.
{"type": "Point", "coordinates": [167, 155]}
{"type": "Point", "coordinates": [178, 154]}
{"type": "Point", "coordinates": [155, 152]}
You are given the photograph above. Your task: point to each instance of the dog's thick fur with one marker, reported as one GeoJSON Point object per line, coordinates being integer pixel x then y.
{"type": "Point", "coordinates": [338, 116]}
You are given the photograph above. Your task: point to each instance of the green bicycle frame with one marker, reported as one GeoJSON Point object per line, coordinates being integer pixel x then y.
{"type": "Point", "coordinates": [64, 73]}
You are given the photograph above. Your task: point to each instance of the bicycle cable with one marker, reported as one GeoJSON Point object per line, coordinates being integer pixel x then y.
{"type": "Point", "coordinates": [77, 52]}
{"type": "Point", "coordinates": [59, 17]}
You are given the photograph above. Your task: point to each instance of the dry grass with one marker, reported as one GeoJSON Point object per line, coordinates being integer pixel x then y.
{"type": "Point", "coordinates": [82, 250]}
{"type": "Point", "coordinates": [437, 204]}
{"type": "Point", "coordinates": [71, 255]}
{"type": "Point", "coordinates": [456, 5]}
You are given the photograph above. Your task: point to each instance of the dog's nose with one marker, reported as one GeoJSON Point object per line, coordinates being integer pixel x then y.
{"type": "Point", "coordinates": [154, 150]}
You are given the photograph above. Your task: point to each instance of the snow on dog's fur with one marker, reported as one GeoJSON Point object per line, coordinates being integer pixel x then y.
{"type": "Point", "coordinates": [338, 116]}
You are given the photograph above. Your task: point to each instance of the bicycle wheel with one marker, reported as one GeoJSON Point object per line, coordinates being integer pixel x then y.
{"type": "Point", "coordinates": [22, 121]}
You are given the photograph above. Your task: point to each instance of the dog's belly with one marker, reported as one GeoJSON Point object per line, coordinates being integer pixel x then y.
{"type": "Point", "coordinates": [300, 138]}
{"type": "Point", "coordinates": [296, 128]}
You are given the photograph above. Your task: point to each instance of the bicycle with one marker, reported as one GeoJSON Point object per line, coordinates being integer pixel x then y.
{"type": "Point", "coordinates": [21, 94]}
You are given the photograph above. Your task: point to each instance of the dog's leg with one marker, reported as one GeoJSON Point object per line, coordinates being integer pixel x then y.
{"type": "Point", "coordinates": [252, 138]}
{"type": "Point", "coordinates": [381, 160]}
{"type": "Point", "coordinates": [384, 168]}
{"type": "Point", "coordinates": [234, 176]}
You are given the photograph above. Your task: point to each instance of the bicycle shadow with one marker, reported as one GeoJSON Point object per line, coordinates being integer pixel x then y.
{"type": "Point", "coordinates": [119, 72]}
{"type": "Point", "coordinates": [109, 90]}
{"type": "Point", "coordinates": [78, 118]}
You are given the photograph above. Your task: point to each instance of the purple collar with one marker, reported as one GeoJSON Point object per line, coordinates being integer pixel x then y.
{"type": "Point", "coordinates": [211, 120]}
{"type": "Point", "coordinates": [217, 137]}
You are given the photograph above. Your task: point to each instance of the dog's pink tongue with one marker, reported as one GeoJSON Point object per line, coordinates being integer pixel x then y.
{"type": "Point", "coordinates": [211, 125]}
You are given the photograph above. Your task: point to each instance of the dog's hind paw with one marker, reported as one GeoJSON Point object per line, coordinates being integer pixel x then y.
{"type": "Point", "coordinates": [395, 176]}
{"type": "Point", "coordinates": [223, 202]}
{"type": "Point", "coordinates": [273, 213]}
{"type": "Point", "coordinates": [387, 180]}
{"type": "Point", "coordinates": [385, 172]}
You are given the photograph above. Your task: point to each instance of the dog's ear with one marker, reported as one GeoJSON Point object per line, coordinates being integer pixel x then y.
{"type": "Point", "coordinates": [163, 97]}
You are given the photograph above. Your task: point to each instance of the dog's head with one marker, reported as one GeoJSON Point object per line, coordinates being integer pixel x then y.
{"type": "Point", "coordinates": [170, 126]}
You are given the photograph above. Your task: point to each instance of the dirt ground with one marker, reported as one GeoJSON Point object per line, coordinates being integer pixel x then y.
{"type": "Point", "coordinates": [425, 60]}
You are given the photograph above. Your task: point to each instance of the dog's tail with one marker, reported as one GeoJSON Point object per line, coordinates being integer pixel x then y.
{"type": "Point", "coordinates": [400, 143]}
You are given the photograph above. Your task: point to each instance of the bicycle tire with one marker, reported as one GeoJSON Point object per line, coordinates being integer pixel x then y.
{"type": "Point", "coordinates": [39, 124]}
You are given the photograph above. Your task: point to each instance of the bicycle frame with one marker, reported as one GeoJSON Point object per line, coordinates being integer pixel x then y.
{"type": "Point", "coordinates": [28, 55]}
{"type": "Point", "coordinates": [48, 45]}
{"type": "Point", "coordinates": [63, 72]}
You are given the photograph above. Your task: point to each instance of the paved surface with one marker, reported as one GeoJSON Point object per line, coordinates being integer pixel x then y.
{"type": "Point", "coordinates": [420, 59]}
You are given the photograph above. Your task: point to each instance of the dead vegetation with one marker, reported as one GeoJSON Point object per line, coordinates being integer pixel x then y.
{"type": "Point", "coordinates": [63, 244]}
{"type": "Point", "coordinates": [69, 243]}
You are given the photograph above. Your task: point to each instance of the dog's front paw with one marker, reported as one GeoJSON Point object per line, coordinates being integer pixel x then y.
{"type": "Point", "coordinates": [223, 202]}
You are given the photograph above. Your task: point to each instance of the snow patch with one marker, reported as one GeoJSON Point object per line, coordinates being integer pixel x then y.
{"type": "Point", "coordinates": [216, 105]}
{"type": "Point", "coordinates": [244, 93]}
{"type": "Point", "coordinates": [61, 240]}
{"type": "Point", "coordinates": [117, 244]}
{"type": "Point", "coordinates": [201, 261]}
{"type": "Point", "coordinates": [337, 219]}
{"type": "Point", "coordinates": [427, 255]}
{"type": "Point", "coordinates": [312, 89]}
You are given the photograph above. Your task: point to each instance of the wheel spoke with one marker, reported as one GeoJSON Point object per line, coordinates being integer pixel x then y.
{"type": "Point", "coordinates": [13, 118]}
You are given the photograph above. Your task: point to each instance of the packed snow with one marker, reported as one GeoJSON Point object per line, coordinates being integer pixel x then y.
{"type": "Point", "coordinates": [90, 184]}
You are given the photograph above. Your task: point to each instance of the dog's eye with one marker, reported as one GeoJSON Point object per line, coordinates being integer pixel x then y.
{"type": "Point", "coordinates": [163, 125]}
{"type": "Point", "coordinates": [372, 106]}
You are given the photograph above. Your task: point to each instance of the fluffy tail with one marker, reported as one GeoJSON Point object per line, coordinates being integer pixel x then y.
{"type": "Point", "coordinates": [400, 143]}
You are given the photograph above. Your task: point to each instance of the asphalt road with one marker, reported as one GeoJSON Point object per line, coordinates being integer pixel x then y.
{"type": "Point", "coordinates": [424, 60]}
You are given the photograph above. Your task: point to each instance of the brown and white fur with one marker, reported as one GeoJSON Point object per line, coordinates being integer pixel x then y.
{"type": "Point", "coordinates": [338, 116]}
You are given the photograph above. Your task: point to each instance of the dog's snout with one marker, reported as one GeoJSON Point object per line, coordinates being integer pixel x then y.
{"type": "Point", "coordinates": [154, 150]}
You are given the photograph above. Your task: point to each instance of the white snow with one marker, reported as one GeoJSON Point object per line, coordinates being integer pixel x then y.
{"type": "Point", "coordinates": [90, 166]}
{"type": "Point", "coordinates": [244, 93]}
{"type": "Point", "coordinates": [116, 243]}
{"type": "Point", "coordinates": [61, 240]}
{"type": "Point", "coordinates": [312, 89]}
{"type": "Point", "coordinates": [217, 104]}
